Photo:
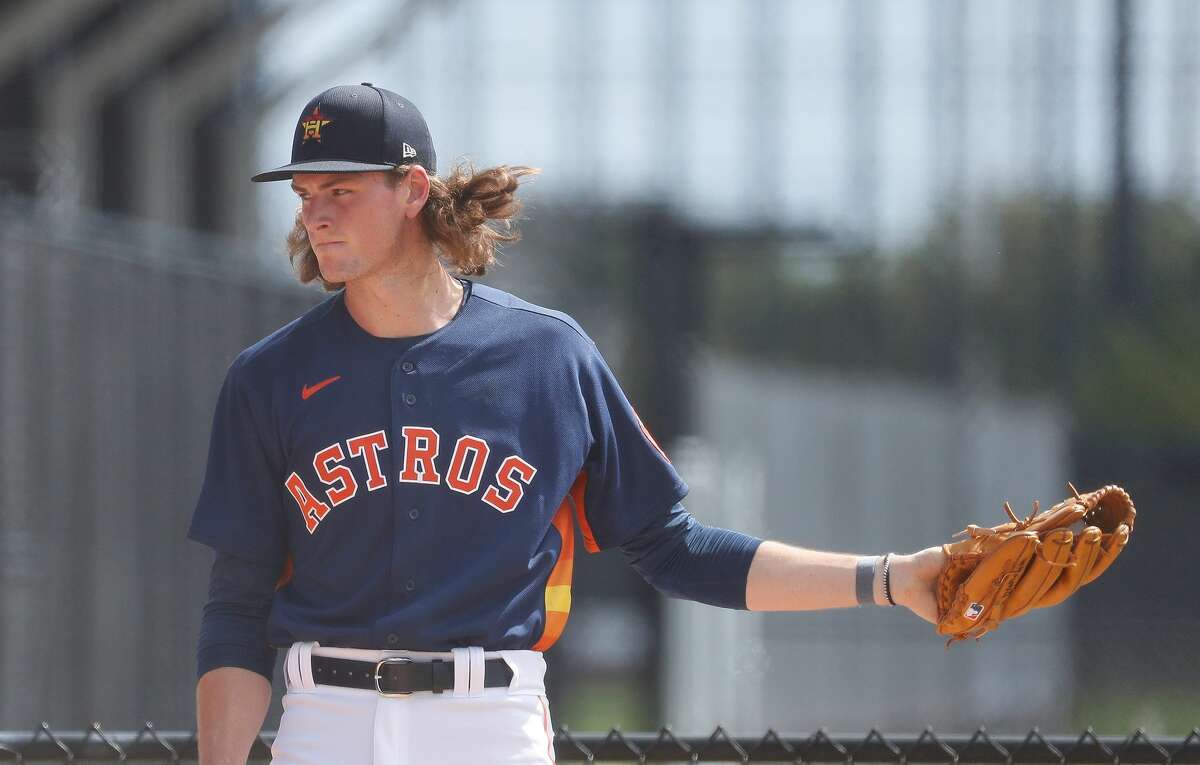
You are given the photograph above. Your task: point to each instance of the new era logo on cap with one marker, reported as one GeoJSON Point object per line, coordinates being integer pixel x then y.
{"type": "Point", "coordinates": [354, 129]}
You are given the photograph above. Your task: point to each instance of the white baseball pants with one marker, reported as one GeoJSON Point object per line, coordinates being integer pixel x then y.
{"type": "Point", "coordinates": [470, 725]}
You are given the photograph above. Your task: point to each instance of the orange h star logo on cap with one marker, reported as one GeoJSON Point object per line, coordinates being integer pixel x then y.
{"type": "Point", "coordinates": [312, 124]}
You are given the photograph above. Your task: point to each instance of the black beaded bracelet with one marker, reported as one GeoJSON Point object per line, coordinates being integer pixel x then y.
{"type": "Point", "coordinates": [887, 578]}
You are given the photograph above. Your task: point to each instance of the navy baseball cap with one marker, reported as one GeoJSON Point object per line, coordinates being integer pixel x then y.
{"type": "Point", "coordinates": [355, 129]}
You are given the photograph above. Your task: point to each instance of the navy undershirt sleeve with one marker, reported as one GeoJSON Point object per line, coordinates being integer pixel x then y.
{"type": "Point", "coordinates": [683, 558]}
{"type": "Point", "coordinates": [233, 630]}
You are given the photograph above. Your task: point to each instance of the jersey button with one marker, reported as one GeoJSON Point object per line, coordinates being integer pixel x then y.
{"type": "Point", "coordinates": [410, 585]}
{"type": "Point", "coordinates": [393, 638]}
{"type": "Point", "coordinates": [408, 367]}
{"type": "Point", "coordinates": [410, 398]}
{"type": "Point", "coordinates": [414, 513]}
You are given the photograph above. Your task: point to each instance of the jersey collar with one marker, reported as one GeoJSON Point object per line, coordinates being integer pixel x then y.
{"type": "Point", "coordinates": [439, 351]}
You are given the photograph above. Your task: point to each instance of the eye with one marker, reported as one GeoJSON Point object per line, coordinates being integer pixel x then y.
{"type": "Point", "coordinates": [340, 192]}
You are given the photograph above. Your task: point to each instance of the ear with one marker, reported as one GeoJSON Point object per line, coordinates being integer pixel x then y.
{"type": "Point", "coordinates": [415, 187]}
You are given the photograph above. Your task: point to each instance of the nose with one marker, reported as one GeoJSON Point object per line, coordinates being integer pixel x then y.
{"type": "Point", "coordinates": [315, 214]}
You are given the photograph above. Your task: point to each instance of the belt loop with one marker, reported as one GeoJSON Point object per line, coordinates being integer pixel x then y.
{"type": "Point", "coordinates": [462, 671]}
{"type": "Point", "coordinates": [529, 671]}
{"type": "Point", "coordinates": [289, 667]}
{"type": "Point", "coordinates": [298, 667]}
{"type": "Point", "coordinates": [477, 670]}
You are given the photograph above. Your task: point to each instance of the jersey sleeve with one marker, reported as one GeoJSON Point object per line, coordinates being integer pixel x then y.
{"type": "Point", "coordinates": [240, 509]}
{"type": "Point", "coordinates": [683, 558]}
{"type": "Point", "coordinates": [630, 480]}
{"type": "Point", "coordinates": [233, 630]}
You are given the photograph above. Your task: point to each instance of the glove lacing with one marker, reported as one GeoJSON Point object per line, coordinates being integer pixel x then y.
{"type": "Point", "coordinates": [980, 532]}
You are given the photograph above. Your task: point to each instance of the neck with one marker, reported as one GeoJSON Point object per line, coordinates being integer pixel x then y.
{"type": "Point", "coordinates": [416, 297]}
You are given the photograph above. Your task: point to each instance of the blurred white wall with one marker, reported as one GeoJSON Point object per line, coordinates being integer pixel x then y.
{"type": "Point", "coordinates": [861, 466]}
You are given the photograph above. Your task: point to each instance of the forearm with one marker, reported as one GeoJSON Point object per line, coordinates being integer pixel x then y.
{"type": "Point", "coordinates": [231, 705]}
{"type": "Point", "coordinates": [234, 660]}
{"type": "Point", "coordinates": [683, 558]}
{"type": "Point", "coordinates": [787, 578]}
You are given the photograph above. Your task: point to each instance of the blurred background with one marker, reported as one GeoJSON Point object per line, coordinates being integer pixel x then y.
{"type": "Point", "coordinates": [867, 269]}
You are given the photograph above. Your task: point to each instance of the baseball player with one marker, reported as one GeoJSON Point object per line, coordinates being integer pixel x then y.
{"type": "Point", "coordinates": [395, 478]}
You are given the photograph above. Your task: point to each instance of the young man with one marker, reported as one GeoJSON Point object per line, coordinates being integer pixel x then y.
{"type": "Point", "coordinates": [395, 477]}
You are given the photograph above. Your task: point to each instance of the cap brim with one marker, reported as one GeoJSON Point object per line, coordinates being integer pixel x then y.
{"type": "Point", "coordinates": [319, 166]}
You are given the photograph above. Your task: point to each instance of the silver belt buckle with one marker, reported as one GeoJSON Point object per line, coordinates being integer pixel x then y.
{"type": "Point", "coordinates": [379, 676]}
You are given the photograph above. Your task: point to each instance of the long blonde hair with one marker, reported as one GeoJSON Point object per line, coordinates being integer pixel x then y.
{"type": "Point", "coordinates": [455, 219]}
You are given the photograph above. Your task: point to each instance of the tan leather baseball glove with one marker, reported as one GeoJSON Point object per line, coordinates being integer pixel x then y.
{"type": "Point", "coordinates": [1002, 572]}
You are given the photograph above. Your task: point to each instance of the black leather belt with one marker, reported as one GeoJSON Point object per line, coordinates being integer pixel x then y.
{"type": "Point", "coordinates": [401, 676]}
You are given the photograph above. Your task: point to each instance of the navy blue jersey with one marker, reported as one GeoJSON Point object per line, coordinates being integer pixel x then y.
{"type": "Point", "coordinates": [423, 494]}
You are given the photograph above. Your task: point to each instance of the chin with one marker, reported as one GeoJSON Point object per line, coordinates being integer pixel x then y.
{"type": "Point", "coordinates": [336, 276]}
{"type": "Point", "coordinates": [337, 269]}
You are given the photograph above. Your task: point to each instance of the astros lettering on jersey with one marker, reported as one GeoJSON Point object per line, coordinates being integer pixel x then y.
{"type": "Point", "coordinates": [421, 448]}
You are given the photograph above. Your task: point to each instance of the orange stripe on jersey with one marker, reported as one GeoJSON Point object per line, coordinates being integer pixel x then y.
{"type": "Point", "coordinates": [650, 438]}
{"type": "Point", "coordinates": [576, 494]}
{"type": "Point", "coordinates": [558, 586]}
{"type": "Point", "coordinates": [556, 622]}
{"type": "Point", "coordinates": [286, 576]}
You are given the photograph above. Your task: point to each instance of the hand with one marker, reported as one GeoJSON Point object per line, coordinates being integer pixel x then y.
{"type": "Point", "coordinates": [913, 579]}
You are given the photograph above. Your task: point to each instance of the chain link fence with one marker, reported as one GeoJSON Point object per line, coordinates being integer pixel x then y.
{"type": "Point", "coordinates": [115, 337]}
{"type": "Point", "coordinates": [152, 745]}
